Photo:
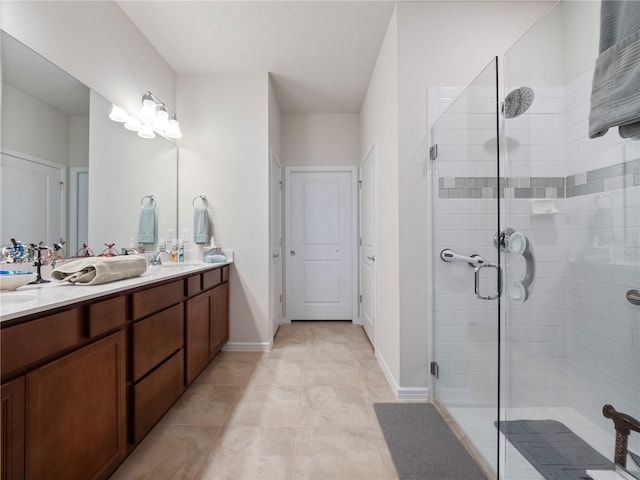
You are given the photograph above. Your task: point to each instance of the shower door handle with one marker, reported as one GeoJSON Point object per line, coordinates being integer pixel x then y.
{"type": "Point", "coordinates": [476, 282]}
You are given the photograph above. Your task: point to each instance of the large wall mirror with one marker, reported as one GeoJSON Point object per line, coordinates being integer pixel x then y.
{"type": "Point", "coordinates": [67, 170]}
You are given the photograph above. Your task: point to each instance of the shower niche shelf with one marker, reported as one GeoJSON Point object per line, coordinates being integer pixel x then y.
{"type": "Point", "coordinates": [544, 206]}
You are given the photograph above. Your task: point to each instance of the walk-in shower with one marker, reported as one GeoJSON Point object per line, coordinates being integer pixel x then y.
{"type": "Point", "coordinates": [547, 337]}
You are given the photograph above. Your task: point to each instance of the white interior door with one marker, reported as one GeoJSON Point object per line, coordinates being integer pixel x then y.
{"type": "Point", "coordinates": [320, 244]}
{"type": "Point", "coordinates": [33, 206]}
{"type": "Point", "coordinates": [275, 238]}
{"type": "Point", "coordinates": [368, 187]}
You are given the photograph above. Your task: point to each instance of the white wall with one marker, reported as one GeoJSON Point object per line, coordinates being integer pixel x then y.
{"type": "Point", "coordinates": [439, 43]}
{"type": "Point", "coordinates": [224, 155]}
{"type": "Point", "coordinates": [327, 139]}
{"type": "Point", "coordinates": [96, 43]}
{"type": "Point", "coordinates": [379, 128]}
{"type": "Point", "coordinates": [35, 128]}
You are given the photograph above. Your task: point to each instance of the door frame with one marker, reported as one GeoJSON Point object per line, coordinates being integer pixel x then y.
{"type": "Point", "coordinates": [372, 151]}
{"type": "Point", "coordinates": [276, 322]}
{"type": "Point", "coordinates": [354, 232]}
{"type": "Point", "coordinates": [74, 183]}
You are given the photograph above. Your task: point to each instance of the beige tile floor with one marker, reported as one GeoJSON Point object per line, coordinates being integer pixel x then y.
{"type": "Point", "coordinates": [302, 411]}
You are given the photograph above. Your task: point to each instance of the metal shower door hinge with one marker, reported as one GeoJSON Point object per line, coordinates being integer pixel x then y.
{"type": "Point", "coordinates": [435, 370]}
{"type": "Point", "coordinates": [433, 152]}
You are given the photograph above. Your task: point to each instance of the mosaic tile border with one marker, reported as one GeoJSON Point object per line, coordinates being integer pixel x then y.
{"type": "Point", "coordinates": [622, 175]}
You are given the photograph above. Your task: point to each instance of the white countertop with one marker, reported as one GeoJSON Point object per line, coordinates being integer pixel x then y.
{"type": "Point", "coordinates": [31, 299]}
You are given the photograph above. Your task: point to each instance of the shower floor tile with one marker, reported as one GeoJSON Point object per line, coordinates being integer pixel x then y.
{"type": "Point", "coordinates": [477, 425]}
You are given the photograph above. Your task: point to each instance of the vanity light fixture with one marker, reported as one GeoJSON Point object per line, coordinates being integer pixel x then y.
{"type": "Point", "coordinates": [118, 114]}
{"type": "Point", "coordinates": [132, 124]}
{"type": "Point", "coordinates": [148, 111]}
{"type": "Point", "coordinates": [173, 129]}
{"type": "Point", "coordinates": [154, 116]}
{"type": "Point", "coordinates": [146, 131]}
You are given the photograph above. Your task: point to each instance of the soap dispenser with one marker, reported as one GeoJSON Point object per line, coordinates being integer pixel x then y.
{"type": "Point", "coordinates": [174, 250]}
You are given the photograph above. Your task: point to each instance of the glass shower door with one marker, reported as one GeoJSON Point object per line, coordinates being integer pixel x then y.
{"type": "Point", "coordinates": [466, 302]}
{"type": "Point", "coordinates": [571, 341]}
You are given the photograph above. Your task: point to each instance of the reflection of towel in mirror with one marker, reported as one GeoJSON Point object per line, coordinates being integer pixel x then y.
{"type": "Point", "coordinates": [97, 270]}
{"type": "Point", "coordinates": [615, 94]}
{"type": "Point", "coordinates": [147, 226]}
{"type": "Point", "coordinates": [200, 226]}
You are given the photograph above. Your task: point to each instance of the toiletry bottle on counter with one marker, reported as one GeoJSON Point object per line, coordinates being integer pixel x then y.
{"type": "Point", "coordinates": [162, 245]}
{"type": "Point", "coordinates": [180, 251]}
{"type": "Point", "coordinates": [174, 250]}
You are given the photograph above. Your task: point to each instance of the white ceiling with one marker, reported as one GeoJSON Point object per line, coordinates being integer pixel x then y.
{"type": "Point", "coordinates": [320, 53]}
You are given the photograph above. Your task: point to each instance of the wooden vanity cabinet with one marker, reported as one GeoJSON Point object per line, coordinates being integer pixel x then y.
{"type": "Point", "coordinates": [80, 382]}
{"type": "Point", "coordinates": [12, 434]}
{"type": "Point", "coordinates": [219, 328]}
{"type": "Point", "coordinates": [197, 328]}
{"type": "Point", "coordinates": [76, 413]}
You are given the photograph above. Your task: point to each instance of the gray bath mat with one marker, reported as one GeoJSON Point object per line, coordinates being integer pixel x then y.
{"type": "Point", "coordinates": [554, 450]}
{"type": "Point", "coordinates": [422, 445]}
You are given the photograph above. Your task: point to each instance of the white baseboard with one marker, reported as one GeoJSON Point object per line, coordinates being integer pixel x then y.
{"type": "Point", "coordinates": [248, 346]}
{"type": "Point", "coordinates": [413, 393]}
{"type": "Point", "coordinates": [402, 393]}
{"type": "Point", "coordinates": [387, 373]}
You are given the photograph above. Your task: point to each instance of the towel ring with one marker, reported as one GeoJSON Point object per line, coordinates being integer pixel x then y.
{"type": "Point", "coordinates": [201, 197]}
{"type": "Point", "coordinates": [152, 201]}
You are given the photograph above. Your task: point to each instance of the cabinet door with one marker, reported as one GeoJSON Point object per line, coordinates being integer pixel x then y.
{"type": "Point", "coordinates": [197, 334]}
{"type": "Point", "coordinates": [76, 413]}
{"type": "Point", "coordinates": [12, 436]}
{"type": "Point", "coordinates": [219, 317]}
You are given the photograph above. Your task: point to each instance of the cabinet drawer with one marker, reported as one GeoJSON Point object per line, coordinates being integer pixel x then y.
{"type": "Point", "coordinates": [37, 339]}
{"type": "Point", "coordinates": [155, 338]}
{"type": "Point", "coordinates": [157, 298]}
{"type": "Point", "coordinates": [106, 315]}
{"type": "Point", "coordinates": [193, 285]}
{"type": "Point", "coordinates": [211, 278]}
{"type": "Point", "coordinates": [154, 395]}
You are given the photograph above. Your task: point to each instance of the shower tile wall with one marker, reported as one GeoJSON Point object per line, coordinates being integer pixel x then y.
{"type": "Point", "coordinates": [603, 239]}
{"type": "Point", "coordinates": [576, 340]}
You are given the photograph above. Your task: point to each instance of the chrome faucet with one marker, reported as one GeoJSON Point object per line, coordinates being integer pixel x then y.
{"type": "Point", "coordinates": [155, 258]}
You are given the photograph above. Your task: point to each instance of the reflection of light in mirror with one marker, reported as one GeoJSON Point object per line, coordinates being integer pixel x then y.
{"type": "Point", "coordinates": [146, 132]}
{"type": "Point", "coordinates": [118, 114]}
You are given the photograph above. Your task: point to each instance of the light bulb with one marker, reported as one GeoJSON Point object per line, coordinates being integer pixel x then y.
{"type": "Point", "coordinates": [118, 114]}
{"type": "Point", "coordinates": [148, 111]}
{"type": "Point", "coordinates": [132, 124]}
{"type": "Point", "coordinates": [173, 129]}
{"type": "Point", "coordinates": [146, 131]}
{"type": "Point", "coordinates": [162, 120]}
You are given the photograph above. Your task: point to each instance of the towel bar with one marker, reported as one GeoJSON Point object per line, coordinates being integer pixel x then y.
{"type": "Point", "coordinates": [152, 201]}
{"type": "Point", "coordinates": [201, 197]}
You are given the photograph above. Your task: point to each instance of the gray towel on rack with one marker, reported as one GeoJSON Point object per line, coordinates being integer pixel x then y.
{"type": "Point", "coordinates": [615, 94]}
{"type": "Point", "coordinates": [147, 226]}
{"type": "Point", "coordinates": [200, 226]}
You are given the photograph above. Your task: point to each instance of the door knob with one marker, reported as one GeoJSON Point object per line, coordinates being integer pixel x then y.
{"type": "Point", "coordinates": [372, 258]}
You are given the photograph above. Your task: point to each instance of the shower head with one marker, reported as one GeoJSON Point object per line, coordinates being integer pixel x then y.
{"type": "Point", "coordinates": [517, 102]}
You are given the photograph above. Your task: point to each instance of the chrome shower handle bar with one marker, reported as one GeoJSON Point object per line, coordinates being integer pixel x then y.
{"type": "Point", "coordinates": [448, 255]}
{"type": "Point", "coordinates": [476, 282]}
